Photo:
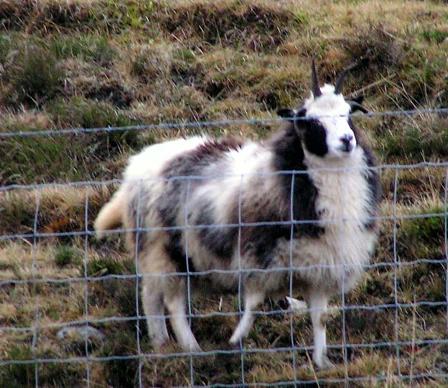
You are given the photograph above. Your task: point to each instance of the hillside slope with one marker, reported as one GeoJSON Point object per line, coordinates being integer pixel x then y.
{"type": "Point", "coordinates": [99, 63]}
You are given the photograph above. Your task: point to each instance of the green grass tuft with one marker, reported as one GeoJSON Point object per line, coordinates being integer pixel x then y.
{"type": "Point", "coordinates": [86, 47]}
{"type": "Point", "coordinates": [35, 77]}
{"type": "Point", "coordinates": [422, 238]}
{"type": "Point", "coordinates": [5, 47]}
{"type": "Point", "coordinates": [19, 375]}
{"type": "Point", "coordinates": [121, 373]}
{"type": "Point", "coordinates": [437, 36]}
{"type": "Point", "coordinates": [422, 140]}
{"type": "Point", "coordinates": [108, 266]}
{"type": "Point", "coordinates": [67, 255]}
{"type": "Point", "coordinates": [81, 112]}
{"type": "Point", "coordinates": [69, 157]}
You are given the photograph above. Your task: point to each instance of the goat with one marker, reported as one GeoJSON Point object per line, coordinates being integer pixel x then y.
{"type": "Point", "coordinates": [305, 199]}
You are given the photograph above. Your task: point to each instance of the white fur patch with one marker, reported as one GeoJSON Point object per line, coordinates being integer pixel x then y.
{"type": "Point", "coordinates": [239, 168]}
{"type": "Point", "coordinates": [328, 104]}
{"type": "Point", "coordinates": [151, 161]}
{"type": "Point", "coordinates": [332, 111]}
{"type": "Point", "coordinates": [343, 204]}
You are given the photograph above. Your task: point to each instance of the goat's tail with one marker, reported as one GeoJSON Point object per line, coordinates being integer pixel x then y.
{"type": "Point", "coordinates": [111, 215]}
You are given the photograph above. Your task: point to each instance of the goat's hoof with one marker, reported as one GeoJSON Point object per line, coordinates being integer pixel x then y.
{"type": "Point", "coordinates": [162, 346]}
{"type": "Point", "coordinates": [324, 363]}
{"type": "Point", "coordinates": [193, 348]}
{"type": "Point", "coordinates": [235, 345]}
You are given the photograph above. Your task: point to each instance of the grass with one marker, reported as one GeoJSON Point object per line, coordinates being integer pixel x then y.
{"type": "Point", "coordinates": [435, 35]}
{"type": "Point", "coordinates": [99, 63]}
{"type": "Point", "coordinates": [422, 139]}
{"type": "Point", "coordinates": [85, 47]}
{"type": "Point", "coordinates": [66, 255]}
{"type": "Point", "coordinates": [35, 77]}
{"type": "Point", "coordinates": [66, 158]}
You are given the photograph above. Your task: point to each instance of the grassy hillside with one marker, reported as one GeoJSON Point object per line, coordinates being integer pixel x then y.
{"type": "Point", "coordinates": [95, 63]}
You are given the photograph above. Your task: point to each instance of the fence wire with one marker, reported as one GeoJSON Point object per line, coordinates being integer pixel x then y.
{"type": "Point", "coordinates": [208, 124]}
{"type": "Point", "coordinates": [293, 345]}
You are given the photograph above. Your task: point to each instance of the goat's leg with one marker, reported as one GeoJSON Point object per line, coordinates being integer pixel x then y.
{"type": "Point", "coordinates": [176, 305]}
{"type": "Point", "coordinates": [251, 302]}
{"type": "Point", "coordinates": [153, 307]}
{"type": "Point", "coordinates": [318, 303]}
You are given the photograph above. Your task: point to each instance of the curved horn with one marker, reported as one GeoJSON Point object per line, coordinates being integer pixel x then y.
{"type": "Point", "coordinates": [340, 80]}
{"type": "Point", "coordinates": [314, 80]}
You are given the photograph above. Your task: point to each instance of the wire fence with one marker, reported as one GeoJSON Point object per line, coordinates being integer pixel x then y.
{"type": "Point", "coordinates": [209, 124]}
{"type": "Point", "coordinates": [392, 328]}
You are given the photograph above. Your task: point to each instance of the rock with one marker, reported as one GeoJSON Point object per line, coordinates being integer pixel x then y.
{"type": "Point", "coordinates": [298, 306]}
{"type": "Point", "coordinates": [75, 334]}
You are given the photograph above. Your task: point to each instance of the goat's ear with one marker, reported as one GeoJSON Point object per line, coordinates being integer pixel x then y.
{"type": "Point", "coordinates": [290, 114]}
{"type": "Point", "coordinates": [359, 99]}
{"type": "Point", "coordinates": [287, 114]}
{"type": "Point", "coordinates": [355, 107]}
{"type": "Point", "coordinates": [356, 104]}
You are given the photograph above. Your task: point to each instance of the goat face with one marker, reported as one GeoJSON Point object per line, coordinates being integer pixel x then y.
{"type": "Point", "coordinates": [323, 122]}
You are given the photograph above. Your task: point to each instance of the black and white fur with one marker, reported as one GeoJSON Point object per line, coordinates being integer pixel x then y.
{"type": "Point", "coordinates": [335, 193]}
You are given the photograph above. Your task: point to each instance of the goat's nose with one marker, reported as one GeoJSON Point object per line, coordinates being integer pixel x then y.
{"type": "Point", "coordinates": [346, 141]}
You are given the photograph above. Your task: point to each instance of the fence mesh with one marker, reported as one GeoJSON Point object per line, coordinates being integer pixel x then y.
{"type": "Point", "coordinates": [72, 301]}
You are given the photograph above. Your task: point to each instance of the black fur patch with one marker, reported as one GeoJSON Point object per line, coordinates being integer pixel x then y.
{"type": "Point", "coordinates": [215, 147]}
{"type": "Point", "coordinates": [137, 213]}
{"type": "Point", "coordinates": [373, 179]}
{"type": "Point", "coordinates": [314, 137]}
{"type": "Point", "coordinates": [262, 240]}
{"type": "Point", "coordinates": [375, 191]}
{"type": "Point", "coordinates": [289, 156]}
{"type": "Point", "coordinates": [176, 252]}
{"type": "Point", "coordinates": [218, 240]}
{"type": "Point", "coordinates": [178, 186]}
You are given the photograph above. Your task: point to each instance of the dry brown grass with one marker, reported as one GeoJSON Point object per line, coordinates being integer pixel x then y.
{"type": "Point", "coordinates": [129, 62]}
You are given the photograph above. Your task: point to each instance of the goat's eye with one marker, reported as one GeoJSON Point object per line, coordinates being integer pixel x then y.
{"type": "Point", "coordinates": [312, 124]}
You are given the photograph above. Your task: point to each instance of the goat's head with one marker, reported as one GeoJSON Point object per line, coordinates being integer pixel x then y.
{"type": "Point", "coordinates": [323, 121]}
